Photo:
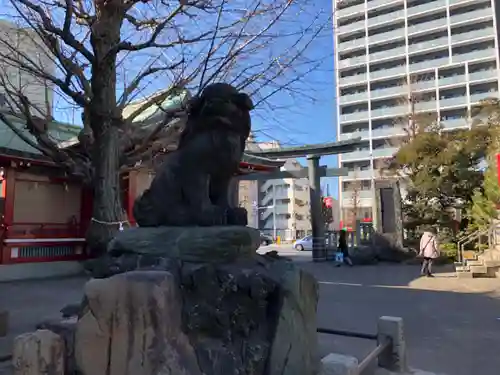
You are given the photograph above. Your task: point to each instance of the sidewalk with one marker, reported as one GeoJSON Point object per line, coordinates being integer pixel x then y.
{"type": "Point", "coordinates": [30, 302]}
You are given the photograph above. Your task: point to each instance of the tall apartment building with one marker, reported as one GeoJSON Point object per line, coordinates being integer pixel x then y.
{"type": "Point", "coordinates": [445, 52]}
{"type": "Point", "coordinates": [29, 47]}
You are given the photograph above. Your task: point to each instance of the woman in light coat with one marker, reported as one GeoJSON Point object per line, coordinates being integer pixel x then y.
{"type": "Point", "coordinates": [429, 251]}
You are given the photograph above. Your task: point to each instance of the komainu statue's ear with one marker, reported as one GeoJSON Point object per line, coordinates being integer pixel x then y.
{"type": "Point", "coordinates": [243, 101]}
{"type": "Point", "coordinates": [194, 105]}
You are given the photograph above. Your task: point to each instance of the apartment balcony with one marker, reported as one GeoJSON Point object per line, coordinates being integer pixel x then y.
{"type": "Point", "coordinates": [387, 54]}
{"type": "Point", "coordinates": [388, 73]}
{"type": "Point", "coordinates": [429, 64]}
{"type": "Point", "coordinates": [386, 18]}
{"type": "Point", "coordinates": [488, 32]}
{"type": "Point", "coordinates": [471, 16]}
{"type": "Point", "coordinates": [459, 101]}
{"type": "Point", "coordinates": [347, 63]}
{"type": "Point", "coordinates": [384, 37]}
{"type": "Point", "coordinates": [426, 106]}
{"type": "Point", "coordinates": [373, 4]}
{"type": "Point", "coordinates": [366, 174]}
{"type": "Point", "coordinates": [476, 98]}
{"type": "Point", "coordinates": [484, 75]}
{"type": "Point", "coordinates": [358, 97]}
{"type": "Point", "coordinates": [353, 117]}
{"type": "Point", "coordinates": [389, 111]}
{"type": "Point", "coordinates": [457, 2]}
{"type": "Point", "coordinates": [385, 152]}
{"type": "Point", "coordinates": [386, 132]}
{"type": "Point", "coordinates": [351, 27]}
{"type": "Point", "coordinates": [282, 209]}
{"type": "Point", "coordinates": [363, 134]}
{"type": "Point", "coordinates": [455, 123]}
{"type": "Point", "coordinates": [424, 85]}
{"type": "Point", "coordinates": [268, 198]}
{"type": "Point", "coordinates": [461, 79]}
{"type": "Point", "coordinates": [425, 27]}
{"type": "Point", "coordinates": [356, 155]}
{"type": "Point", "coordinates": [388, 92]}
{"type": "Point", "coordinates": [439, 43]}
{"type": "Point", "coordinates": [352, 10]}
{"type": "Point", "coordinates": [489, 53]}
{"type": "Point", "coordinates": [353, 80]}
{"type": "Point", "coordinates": [352, 45]}
{"type": "Point", "coordinates": [428, 7]}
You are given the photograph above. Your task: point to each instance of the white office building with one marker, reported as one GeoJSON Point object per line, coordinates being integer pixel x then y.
{"type": "Point", "coordinates": [445, 52]}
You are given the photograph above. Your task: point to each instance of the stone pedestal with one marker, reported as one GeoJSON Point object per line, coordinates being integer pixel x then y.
{"type": "Point", "coordinates": [197, 301]}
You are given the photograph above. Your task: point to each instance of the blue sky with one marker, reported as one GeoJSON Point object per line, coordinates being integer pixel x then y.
{"type": "Point", "coordinates": [306, 119]}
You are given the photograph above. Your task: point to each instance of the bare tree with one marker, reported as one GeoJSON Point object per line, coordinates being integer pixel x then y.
{"type": "Point", "coordinates": [101, 55]}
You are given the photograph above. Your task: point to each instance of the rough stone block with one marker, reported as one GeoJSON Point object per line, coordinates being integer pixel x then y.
{"type": "Point", "coordinates": [38, 353]}
{"type": "Point", "coordinates": [4, 323]}
{"type": "Point", "coordinates": [253, 317]}
{"type": "Point", "coordinates": [66, 329]}
{"type": "Point", "coordinates": [338, 364]}
{"type": "Point", "coordinates": [392, 328]}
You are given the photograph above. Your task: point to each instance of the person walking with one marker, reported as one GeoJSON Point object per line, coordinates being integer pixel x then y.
{"type": "Point", "coordinates": [344, 248]}
{"type": "Point", "coordinates": [429, 251]}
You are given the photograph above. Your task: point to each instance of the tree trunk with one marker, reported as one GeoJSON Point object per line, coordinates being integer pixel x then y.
{"type": "Point", "coordinates": [107, 206]}
{"type": "Point", "coordinates": [105, 121]}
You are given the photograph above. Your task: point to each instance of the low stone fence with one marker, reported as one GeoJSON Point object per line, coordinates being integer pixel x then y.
{"type": "Point", "coordinates": [387, 358]}
{"type": "Point", "coordinates": [50, 351]}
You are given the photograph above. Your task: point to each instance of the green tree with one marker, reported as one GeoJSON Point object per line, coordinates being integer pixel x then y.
{"type": "Point", "coordinates": [486, 199]}
{"type": "Point", "coordinates": [441, 170]}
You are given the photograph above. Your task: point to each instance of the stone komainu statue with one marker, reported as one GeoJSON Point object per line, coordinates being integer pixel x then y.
{"type": "Point", "coordinates": [191, 186]}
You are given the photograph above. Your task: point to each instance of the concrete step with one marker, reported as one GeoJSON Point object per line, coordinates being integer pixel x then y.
{"type": "Point", "coordinates": [475, 263]}
{"type": "Point", "coordinates": [491, 263]}
{"type": "Point", "coordinates": [461, 269]}
{"type": "Point", "coordinates": [478, 269]}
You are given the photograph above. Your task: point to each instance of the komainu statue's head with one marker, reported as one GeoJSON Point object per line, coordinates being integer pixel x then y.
{"type": "Point", "coordinates": [220, 106]}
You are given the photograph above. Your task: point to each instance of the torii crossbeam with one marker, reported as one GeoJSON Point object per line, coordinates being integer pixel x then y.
{"type": "Point", "coordinates": [313, 172]}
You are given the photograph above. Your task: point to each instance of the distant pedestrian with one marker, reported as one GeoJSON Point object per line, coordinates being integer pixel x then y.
{"type": "Point", "coordinates": [429, 251]}
{"type": "Point", "coordinates": [344, 248]}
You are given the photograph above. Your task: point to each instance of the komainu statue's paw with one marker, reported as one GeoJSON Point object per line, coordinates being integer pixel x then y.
{"type": "Point", "coordinates": [237, 216]}
{"type": "Point", "coordinates": [213, 215]}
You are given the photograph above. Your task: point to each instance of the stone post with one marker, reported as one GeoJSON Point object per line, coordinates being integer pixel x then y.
{"type": "Point", "coordinates": [317, 225]}
{"type": "Point", "coordinates": [39, 352]}
{"type": "Point", "coordinates": [338, 364]}
{"type": "Point", "coordinates": [393, 359]}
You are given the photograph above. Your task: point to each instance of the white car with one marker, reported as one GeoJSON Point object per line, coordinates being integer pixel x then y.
{"type": "Point", "coordinates": [305, 243]}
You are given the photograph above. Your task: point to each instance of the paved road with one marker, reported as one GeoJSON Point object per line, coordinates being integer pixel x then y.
{"type": "Point", "coordinates": [452, 325]}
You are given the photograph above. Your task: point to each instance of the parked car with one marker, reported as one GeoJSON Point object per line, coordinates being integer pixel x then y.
{"type": "Point", "coordinates": [265, 239]}
{"type": "Point", "coordinates": [305, 243]}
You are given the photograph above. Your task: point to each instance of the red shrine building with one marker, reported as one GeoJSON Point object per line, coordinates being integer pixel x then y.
{"type": "Point", "coordinates": [44, 214]}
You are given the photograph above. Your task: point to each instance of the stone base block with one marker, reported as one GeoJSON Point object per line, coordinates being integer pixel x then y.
{"type": "Point", "coordinates": [40, 352]}
{"type": "Point", "coordinates": [338, 364]}
{"type": "Point", "coordinates": [253, 317]}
